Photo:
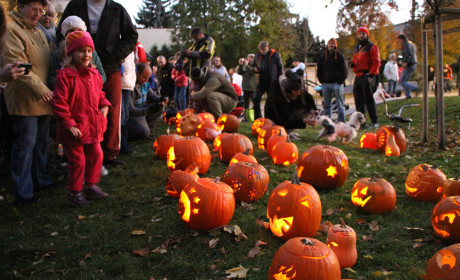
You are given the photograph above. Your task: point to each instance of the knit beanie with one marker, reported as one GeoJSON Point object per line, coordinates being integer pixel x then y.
{"type": "Point", "coordinates": [363, 29]}
{"type": "Point", "coordinates": [335, 51]}
{"type": "Point", "coordinates": [197, 74]}
{"type": "Point", "coordinates": [77, 40]}
{"type": "Point", "coordinates": [72, 22]}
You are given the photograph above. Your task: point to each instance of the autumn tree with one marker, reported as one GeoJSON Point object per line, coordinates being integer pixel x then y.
{"type": "Point", "coordinates": [306, 46]}
{"type": "Point", "coordinates": [154, 14]}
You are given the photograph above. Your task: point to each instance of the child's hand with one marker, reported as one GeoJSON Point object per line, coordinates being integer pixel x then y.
{"type": "Point", "coordinates": [104, 110]}
{"type": "Point", "coordinates": [75, 132]}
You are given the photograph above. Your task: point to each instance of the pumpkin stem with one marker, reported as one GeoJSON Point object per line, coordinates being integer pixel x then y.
{"type": "Point", "coordinates": [342, 223]}
{"type": "Point", "coordinates": [434, 166]}
{"type": "Point", "coordinates": [288, 139]}
{"type": "Point", "coordinates": [375, 176]}
{"type": "Point", "coordinates": [307, 241]}
{"type": "Point", "coordinates": [456, 178]}
{"type": "Point", "coordinates": [295, 177]}
{"type": "Point", "coordinates": [216, 180]}
{"type": "Point", "coordinates": [246, 152]}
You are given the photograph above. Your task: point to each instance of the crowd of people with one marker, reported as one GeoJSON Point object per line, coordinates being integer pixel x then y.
{"type": "Point", "coordinates": [91, 78]}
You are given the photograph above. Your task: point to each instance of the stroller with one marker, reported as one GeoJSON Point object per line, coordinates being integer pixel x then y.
{"type": "Point", "coordinates": [239, 109]}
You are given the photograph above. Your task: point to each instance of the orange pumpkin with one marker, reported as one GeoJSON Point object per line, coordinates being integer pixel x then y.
{"type": "Point", "coordinates": [294, 209]}
{"type": "Point", "coordinates": [273, 140]}
{"type": "Point", "coordinates": [342, 240]}
{"type": "Point", "coordinates": [444, 264]}
{"type": "Point", "coordinates": [304, 258]}
{"type": "Point", "coordinates": [163, 143]}
{"type": "Point", "coordinates": [424, 183]}
{"type": "Point", "coordinates": [218, 141]}
{"type": "Point", "coordinates": [178, 179]}
{"type": "Point", "coordinates": [323, 167]}
{"type": "Point", "coordinates": [187, 124]}
{"type": "Point", "coordinates": [368, 141]}
{"type": "Point", "coordinates": [207, 117]}
{"type": "Point", "coordinates": [249, 180]}
{"type": "Point", "coordinates": [243, 157]}
{"type": "Point", "coordinates": [285, 153]}
{"type": "Point", "coordinates": [373, 195]}
{"type": "Point", "coordinates": [451, 187]}
{"type": "Point", "coordinates": [207, 131]}
{"type": "Point", "coordinates": [257, 124]}
{"type": "Point", "coordinates": [228, 123]}
{"type": "Point", "coordinates": [384, 132]}
{"type": "Point", "coordinates": [234, 143]}
{"type": "Point", "coordinates": [186, 151]}
{"type": "Point", "coordinates": [392, 149]}
{"type": "Point", "coordinates": [206, 203]}
{"type": "Point", "coordinates": [266, 132]}
{"type": "Point", "coordinates": [445, 219]}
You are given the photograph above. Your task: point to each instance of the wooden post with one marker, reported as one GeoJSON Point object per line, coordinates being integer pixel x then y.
{"type": "Point", "coordinates": [439, 83]}
{"type": "Point", "coordinates": [425, 83]}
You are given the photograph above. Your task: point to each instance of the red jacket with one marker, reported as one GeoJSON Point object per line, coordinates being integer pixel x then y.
{"type": "Point", "coordinates": [77, 98]}
{"type": "Point", "coordinates": [366, 60]}
{"type": "Point", "coordinates": [179, 77]}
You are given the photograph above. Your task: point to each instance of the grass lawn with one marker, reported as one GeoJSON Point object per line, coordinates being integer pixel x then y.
{"type": "Point", "coordinates": [51, 240]}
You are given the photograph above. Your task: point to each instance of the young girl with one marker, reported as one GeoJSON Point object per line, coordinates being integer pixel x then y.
{"type": "Point", "coordinates": [80, 107]}
{"type": "Point", "coordinates": [180, 83]}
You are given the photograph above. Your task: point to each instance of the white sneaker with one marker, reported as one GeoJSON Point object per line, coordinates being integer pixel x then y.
{"type": "Point", "coordinates": [104, 171]}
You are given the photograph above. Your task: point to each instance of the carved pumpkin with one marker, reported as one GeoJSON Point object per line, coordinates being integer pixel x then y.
{"type": "Point", "coordinates": [206, 203]}
{"type": "Point", "coordinates": [285, 153]}
{"type": "Point", "coordinates": [172, 121]}
{"type": "Point", "coordinates": [163, 143]}
{"type": "Point", "coordinates": [249, 180]}
{"type": "Point", "coordinates": [323, 167]}
{"type": "Point", "coordinates": [446, 219]}
{"type": "Point", "coordinates": [424, 183]}
{"type": "Point", "coordinates": [187, 124]}
{"type": "Point", "coordinates": [451, 187]}
{"type": "Point", "coordinates": [187, 150]}
{"type": "Point", "coordinates": [207, 131]}
{"type": "Point", "coordinates": [273, 140]}
{"type": "Point", "coordinates": [373, 195]}
{"type": "Point", "coordinates": [257, 124]}
{"type": "Point", "coordinates": [243, 157]}
{"type": "Point", "coordinates": [178, 179]}
{"type": "Point", "coordinates": [218, 141]}
{"type": "Point", "coordinates": [384, 132]}
{"type": "Point", "coordinates": [228, 123]}
{"type": "Point", "coordinates": [234, 143]}
{"type": "Point", "coordinates": [207, 117]}
{"type": "Point", "coordinates": [342, 240]}
{"type": "Point", "coordinates": [392, 149]}
{"type": "Point", "coordinates": [304, 258]}
{"type": "Point", "coordinates": [294, 209]}
{"type": "Point", "coordinates": [445, 264]}
{"type": "Point", "coordinates": [266, 132]}
{"type": "Point", "coordinates": [368, 141]}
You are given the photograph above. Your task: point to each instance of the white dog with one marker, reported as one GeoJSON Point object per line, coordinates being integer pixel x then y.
{"type": "Point", "coordinates": [346, 131]}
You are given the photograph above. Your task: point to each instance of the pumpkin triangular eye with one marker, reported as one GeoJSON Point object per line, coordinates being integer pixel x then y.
{"type": "Point", "coordinates": [364, 191]}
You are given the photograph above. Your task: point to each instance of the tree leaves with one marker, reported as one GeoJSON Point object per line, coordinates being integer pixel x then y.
{"type": "Point", "coordinates": [237, 272]}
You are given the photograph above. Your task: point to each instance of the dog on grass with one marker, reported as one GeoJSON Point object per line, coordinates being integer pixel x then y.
{"type": "Point", "coordinates": [345, 131]}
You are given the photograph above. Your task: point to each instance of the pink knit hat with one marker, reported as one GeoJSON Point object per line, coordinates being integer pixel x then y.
{"type": "Point", "coordinates": [363, 29]}
{"type": "Point", "coordinates": [77, 40]}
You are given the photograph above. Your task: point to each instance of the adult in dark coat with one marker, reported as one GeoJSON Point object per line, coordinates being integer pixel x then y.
{"type": "Point", "coordinates": [289, 104]}
{"type": "Point", "coordinates": [164, 77]}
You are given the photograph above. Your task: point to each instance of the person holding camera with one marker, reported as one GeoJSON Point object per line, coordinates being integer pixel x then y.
{"type": "Point", "coordinates": [249, 82]}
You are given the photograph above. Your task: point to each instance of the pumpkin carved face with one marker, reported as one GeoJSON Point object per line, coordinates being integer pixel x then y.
{"type": "Point", "coordinates": [285, 153]}
{"type": "Point", "coordinates": [205, 204]}
{"type": "Point", "coordinates": [373, 195]}
{"type": "Point", "coordinates": [207, 131]}
{"type": "Point", "coordinates": [207, 117]}
{"type": "Point", "coordinates": [304, 258]}
{"type": "Point", "coordinates": [451, 187]}
{"type": "Point", "coordinates": [186, 151]}
{"type": "Point", "coordinates": [187, 124]}
{"type": "Point", "coordinates": [446, 219]}
{"type": "Point", "coordinates": [178, 179]}
{"type": "Point", "coordinates": [342, 240]}
{"type": "Point", "coordinates": [257, 124]}
{"type": "Point", "coordinates": [248, 180]}
{"type": "Point", "coordinates": [228, 123]}
{"type": "Point", "coordinates": [445, 264]}
{"type": "Point", "coordinates": [424, 183]}
{"type": "Point", "coordinates": [323, 167]}
{"type": "Point", "coordinates": [294, 209]}
{"type": "Point", "coordinates": [382, 137]}
{"type": "Point", "coordinates": [368, 141]}
{"type": "Point", "coordinates": [163, 143]}
{"type": "Point", "coordinates": [266, 132]}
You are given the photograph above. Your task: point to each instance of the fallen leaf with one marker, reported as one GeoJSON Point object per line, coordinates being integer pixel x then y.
{"type": "Point", "coordinates": [415, 228]}
{"type": "Point", "coordinates": [273, 171]}
{"type": "Point", "coordinates": [348, 216]}
{"type": "Point", "coordinates": [417, 244]}
{"type": "Point", "coordinates": [329, 212]}
{"type": "Point", "coordinates": [54, 233]}
{"type": "Point", "coordinates": [264, 224]}
{"type": "Point", "coordinates": [237, 272]}
{"type": "Point", "coordinates": [256, 250]}
{"type": "Point", "coordinates": [213, 242]}
{"type": "Point", "coordinates": [374, 226]}
{"type": "Point", "coordinates": [367, 237]}
{"type": "Point", "coordinates": [137, 232]}
{"type": "Point", "coordinates": [359, 222]}
{"type": "Point", "coordinates": [214, 232]}
{"type": "Point", "coordinates": [247, 206]}
{"type": "Point", "coordinates": [236, 230]}
{"type": "Point", "coordinates": [87, 256]}
{"type": "Point", "coordinates": [213, 266]}
{"type": "Point", "coordinates": [141, 252]}
{"type": "Point", "coordinates": [350, 270]}
{"type": "Point", "coordinates": [325, 226]}
{"type": "Point", "coordinates": [369, 257]}
{"type": "Point", "coordinates": [160, 250]}
{"type": "Point", "coordinates": [81, 217]}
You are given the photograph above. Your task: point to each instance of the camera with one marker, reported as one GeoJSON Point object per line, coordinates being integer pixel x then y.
{"type": "Point", "coordinates": [180, 61]}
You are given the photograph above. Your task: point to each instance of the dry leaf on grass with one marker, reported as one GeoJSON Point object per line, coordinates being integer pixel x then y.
{"type": "Point", "coordinates": [256, 250]}
{"type": "Point", "coordinates": [325, 226]}
{"type": "Point", "coordinates": [359, 222]}
{"type": "Point", "coordinates": [213, 242]}
{"type": "Point", "coordinates": [415, 228]}
{"type": "Point", "coordinates": [237, 272]}
{"type": "Point", "coordinates": [81, 217]}
{"type": "Point", "coordinates": [369, 257]}
{"type": "Point", "coordinates": [160, 250]}
{"type": "Point", "coordinates": [141, 252]}
{"type": "Point", "coordinates": [137, 232]}
{"type": "Point", "coordinates": [367, 237]}
{"type": "Point", "coordinates": [263, 224]}
{"type": "Point", "coordinates": [247, 206]}
{"type": "Point", "coordinates": [329, 212]}
{"type": "Point", "coordinates": [349, 269]}
{"type": "Point", "coordinates": [374, 226]}
{"type": "Point", "coordinates": [236, 230]}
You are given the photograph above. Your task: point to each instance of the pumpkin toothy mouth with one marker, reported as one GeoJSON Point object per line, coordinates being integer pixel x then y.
{"type": "Point", "coordinates": [359, 201]}
{"type": "Point", "coordinates": [280, 226]}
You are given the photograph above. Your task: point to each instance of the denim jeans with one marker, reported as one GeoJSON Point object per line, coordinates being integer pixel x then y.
{"type": "Point", "coordinates": [334, 90]}
{"type": "Point", "coordinates": [180, 97]}
{"type": "Point", "coordinates": [392, 86]}
{"type": "Point", "coordinates": [124, 120]}
{"type": "Point", "coordinates": [261, 89]}
{"type": "Point", "coordinates": [405, 76]}
{"type": "Point", "coordinates": [28, 155]}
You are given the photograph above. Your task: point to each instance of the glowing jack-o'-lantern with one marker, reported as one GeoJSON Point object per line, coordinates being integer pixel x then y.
{"type": "Point", "coordinates": [178, 179]}
{"type": "Point", "coordinates": [218, 141]}
{"type": "Point", "coordinates": [207, 117]}
{"type": "Point", "coordinates": [323, 167]}
{"type": "Point", "coordinates": [187, 124]}
{"type": "Point", "coordinates": [445, 264]}
{"type": "Point", "coordinates": [294, 209]}
{"type": "Point", "coordinates": [186, 151]}
{"type": "Point", "coordinates": [206, 203]}
{"type": "Point", "coordinates": [368, 141]}
{"type": "Point", "coordinates": [373, 195]}
{"type": "Point", "coordinates": [342, 240]}
{"type": "Point", "coordinates": [207, 131]}
{"type": "Point", "coordinates": [257, 124]}
{"type": "Point", "coordinates": [243, 157]}
{"type": "Point", "coordinates": [285, 153]}
{"type": "Point", "coordinates": [451, 187]}
{"type": "Point", "coordinates": [163, 143]}
{"type": "Point", "coordinates": [266, 132]}
{"type": "Point", "coordinates": [445, 219]}
{"type": "Point", "coordinates": [273, 140]}
{"type": "Point", "coordinates": [304, 258]}
{"type": "Point", "coordinates": [234, 143]}
{"type": "Point", "coordinates": [385, 131]}
{"type": "Point", "coordinates": [249, 180]}
{"type": "Point", "coordinates": [424, 183]}
{"type": "Point", "coordinates": [228, 123]}
{"type": "Point", "coordinates": [392, 149]}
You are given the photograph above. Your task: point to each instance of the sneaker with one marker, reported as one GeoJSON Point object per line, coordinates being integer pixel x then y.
{"type": "Point", "coordinates": [94, 192]}
{"type": "Point", "coordinates": [114, 162]}
{"type": "Point", "coordinates": [104, 171]}
{"type": "Point", "coordinates": [77, 199]}
{"type": "Point", "coordinates": [373, 126]}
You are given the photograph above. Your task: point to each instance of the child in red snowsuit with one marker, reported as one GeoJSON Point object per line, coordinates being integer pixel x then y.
{"type": "Point", "coordinates": [80, 107]}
